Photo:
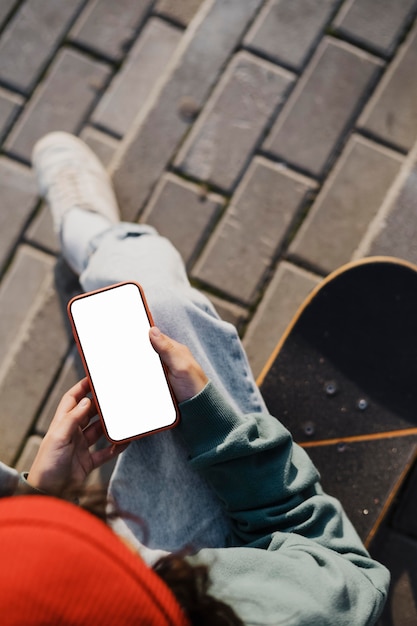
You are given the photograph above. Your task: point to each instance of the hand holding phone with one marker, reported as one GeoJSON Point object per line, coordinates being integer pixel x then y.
{"type": "Point", "coordinates": [127, 378]}
{"type": "Point", "coordinates": [65, 458]}
{"type": "Point", "coordinates": [185, 374]}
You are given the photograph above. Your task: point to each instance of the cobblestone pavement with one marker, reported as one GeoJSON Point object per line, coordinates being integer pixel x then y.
{"type": "Point", "coordinates": [272, 141]}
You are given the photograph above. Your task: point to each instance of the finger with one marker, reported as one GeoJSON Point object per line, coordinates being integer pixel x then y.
{"type": "Point", "coordinates": [92, 412]}
{"type": "Point", "coordinates": [93, 432]}
{"type": "Point", "coordinates": [72, 397]}
{"type": "Point", "coordinates": [175, 355]}
{"type": "Point", "coordinates": [104, 455]}
{"type": "Point", "coordinates": [81, 414]}
{"type": "Point", "coordinates": [64, 425]}
{"type": "Point", "coordinates": [185, 375]}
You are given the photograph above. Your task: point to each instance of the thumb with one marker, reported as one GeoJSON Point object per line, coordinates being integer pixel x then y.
{"type": "Point", "coordinates": [186, 376]}
{"type": "Point", "coordinates": [163, 345]}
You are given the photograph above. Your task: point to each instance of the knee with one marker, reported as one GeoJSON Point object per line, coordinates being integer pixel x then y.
{"type": "Point", "coordinates": [168, 307]}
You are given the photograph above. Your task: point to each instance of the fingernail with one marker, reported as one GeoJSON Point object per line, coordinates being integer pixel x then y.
{"type": "Point", "coordinates": [155, 331]}
{"type": "Point", "coordinates": [84, 402]}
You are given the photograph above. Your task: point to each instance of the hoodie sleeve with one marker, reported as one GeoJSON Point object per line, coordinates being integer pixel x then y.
{"type": "Point", "coordinates": [9, 480]}
{"type": "Point", "coordinates": [266, 482]}
{"type": "Point", "coordinates": [271, 492]}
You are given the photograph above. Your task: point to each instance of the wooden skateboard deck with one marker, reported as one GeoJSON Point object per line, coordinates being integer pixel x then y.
{"type": "Point", "coordinates": [343, 380]}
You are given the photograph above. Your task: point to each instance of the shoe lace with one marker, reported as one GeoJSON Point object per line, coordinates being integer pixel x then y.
{"type": "Point", "coordinates": [66, 191]}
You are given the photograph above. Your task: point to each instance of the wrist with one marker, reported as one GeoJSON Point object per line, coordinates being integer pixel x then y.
{"type": "Point", "coordinates": [44, 482]}
{"type": "Point", "coordinates": [25, 487]}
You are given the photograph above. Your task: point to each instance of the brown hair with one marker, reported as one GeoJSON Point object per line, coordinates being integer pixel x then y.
{"type": "Point", "coordinates": [190, 585]}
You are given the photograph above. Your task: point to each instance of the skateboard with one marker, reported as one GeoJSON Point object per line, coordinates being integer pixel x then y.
{"type": "Point", "coordinates": [343, 380]}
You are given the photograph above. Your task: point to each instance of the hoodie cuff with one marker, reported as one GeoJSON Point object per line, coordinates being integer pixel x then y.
{"type": "Point", "coordinates": [206, 420]}
{"type": "Point", "coordinates": [25, 488]}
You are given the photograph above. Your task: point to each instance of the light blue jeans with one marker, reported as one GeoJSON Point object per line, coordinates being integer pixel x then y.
{"type": "Point", "coordinates": [152, 478]}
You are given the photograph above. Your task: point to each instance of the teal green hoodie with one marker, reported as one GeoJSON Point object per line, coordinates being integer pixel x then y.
{"type": "Point", "coordinates": [294, 557]}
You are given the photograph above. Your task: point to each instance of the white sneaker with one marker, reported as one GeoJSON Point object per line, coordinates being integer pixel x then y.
{"type": "Point", "coordinates": [71, 176]}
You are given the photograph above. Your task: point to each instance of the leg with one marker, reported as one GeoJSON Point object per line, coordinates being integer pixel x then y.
{"type": "Point", "coordinates": [124, 252]}
{"type": "Point", "coordinates": [150, 476]}
{"type": "Point", "coordinates": [192, 516]}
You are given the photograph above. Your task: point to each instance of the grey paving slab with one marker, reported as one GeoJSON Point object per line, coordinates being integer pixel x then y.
{"type": "Point", "coordinates": [322, 106]}
{"type": "Point", "coordinates": [141, 70]}
{"type": "Point", "coordinates": [184, 213]}
{"type": "Point", "coordinates": [41, 231]}
{"type": "Point", "coordinates": [10, 105]}
{"type": "Point", "coordinates": [29, 453]}
{"type": "Point", "coordinates": [31, 39]}
{"type": "Point", "coordinates": [391, 113]}
{"type": "Point", "coordinates": [154, 137]}
{"type": "Point", "coordinates": [287, 290]}
{"type": "Point", "coordinates": [18, 290]}
{"type": "Point", "coordinates": [6, 7]}
{"type": "Point", "coordinates": [181, 11]}
{"type": "Point", "coordinates": [346, 205]}
{"type": "Point", "coordinates": [70, 374]}
{"type": "Point", "coordinates": [378, 26]}
{"type": "Point", "coordinates": [393, 232]}
{"type": "Point", "coordinates": [228, 311]}
{"type": "Point", "coordinates": [102, 144]}
{"type": "Point", "coordinates": [286, 31]}
{"type": "Point", "coordinates": [54, 106]}
{"type": "Point", "coordinates": [33, 369]}
{"type": "Point", "coordinates": [18, 200]}
{"type": "Point", "coordinates": [248, 237]}
{"type": "Point", "coordinates": [107, 27]}
{"type": "Point", "coordinates": [224, 138]}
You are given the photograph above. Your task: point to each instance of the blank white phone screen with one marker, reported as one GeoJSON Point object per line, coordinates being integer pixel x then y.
{"type": "Point", "coordinates": [125, 371]}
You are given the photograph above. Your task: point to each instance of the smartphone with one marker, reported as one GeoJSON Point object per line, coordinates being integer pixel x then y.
{"type": "Point", "coordinates": [127, 377]}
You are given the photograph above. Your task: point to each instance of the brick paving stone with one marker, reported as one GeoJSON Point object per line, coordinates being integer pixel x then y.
{"type": "Point", "coordinates": [181, 11]}
{"type": "Point", "coordinates": [247, 239]}
{"type": "Point", "coordinates": [391, 113]}
{"type": "Point", "coordinates": [70, 374]}
{"type": "Point", "coordinates": [346, 205]}
{"type": "Point", "coordinates": [321, 107]}
{"type": "Point", "coordinates": [6, 7]}
{"type": "Point", "coordinates": [29, 453]}
{"type": "Point", "coordinates": [18, 200]}
{"type": "Point", "coordinates": [31, 38]}
{"type": "Point", "coordinates": [41, 231]}
{"type": "Point", "coordinates": [10, 105]}
{"type": "Point", "coordinates": [26, 381]}
{"type": "Point", "coordinates": [182, 212]}
{"type": "Point", "coordinates": [378, 27]}
{"type": "Point", "coordinates": [103, 145]}
{"type": "Point", "coordinates": [228, 311]}
{"type": "Point", "coordinates": [287, 290]}
{"type": "Point", "coordinates": [394, 230]}
{"type": "Point", "coordinates": [223, 140]}
{"type": "Point", "coordinates": [153, 139]}
{"type": "Point", "coordinates": [287, 31]}
{"type": "Point", "coordinates": [141, 70]}
{"type": "Point", "coordinates": [54, 106]}
{"type": "Point", "coordinates": [18, 290]}
{"type": "Point", "coordinates": [107, 27]}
